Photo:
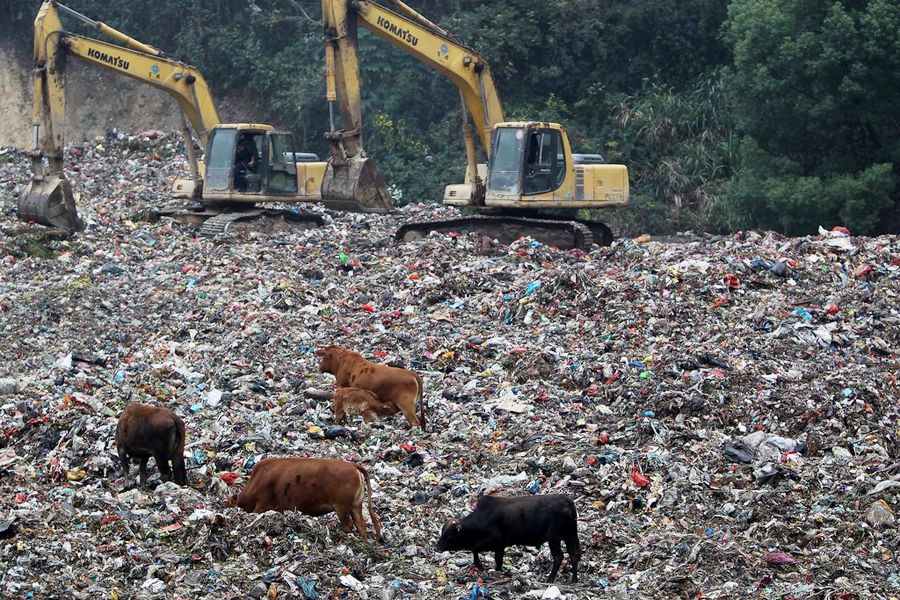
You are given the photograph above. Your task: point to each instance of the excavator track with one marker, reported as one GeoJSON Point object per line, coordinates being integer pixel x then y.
{"type": "Point", "coordinates": [603, 235]}
{"type": "Point", "coordinates": [214, 223]}
{"type": "Point", "coordinates": [259, 219]}
{"type": "Point", "coordinates": [562, 233]}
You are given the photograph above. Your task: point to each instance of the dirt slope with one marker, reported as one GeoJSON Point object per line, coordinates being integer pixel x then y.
{"type": "Point", "coordinates": [14, 104]}
{"type": "Point", "coordinates": [96, 101]}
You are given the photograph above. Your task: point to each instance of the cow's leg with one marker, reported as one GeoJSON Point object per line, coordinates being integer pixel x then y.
{"type": "Point", "coordinates": [162, 463]}
{"type": "Point", "coordinates": [179, 470]}
{"type": "Point", "coordinates": [343, 516]}
{"type": "Point", "coordinates": [408, 408]}
{"type": "Point", "coordinates": [143, 470]}
{"type": "Point", "coordinates": [359, 521]}
{"type": "Point", "coordinates": [557, 553]}
{"type": "Point", "coordinates": [498, 559]}
{"type": "Point", "coordinates": [126, 462]}
{"type": "Point", "coordinates": [338, 413]}
{"type": "Point", "coordinates": [484, 545]}
{"type": "Point", "coordinates": [574, 550]}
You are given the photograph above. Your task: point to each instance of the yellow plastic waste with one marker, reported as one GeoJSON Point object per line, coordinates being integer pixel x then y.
{"type": "Point", "coordinates": [76, 474]}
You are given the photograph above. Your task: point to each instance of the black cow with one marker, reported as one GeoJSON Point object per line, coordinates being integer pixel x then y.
{"type": "Point", "coordinates": [498, 522]}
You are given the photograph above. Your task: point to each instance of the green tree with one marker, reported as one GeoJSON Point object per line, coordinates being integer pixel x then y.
{"type": "Point", "coordinates": [818, 82]}
{"type": "Point", "coordinates": [817, 85]}
{"type": "Point", "coordinates": [772, 192]}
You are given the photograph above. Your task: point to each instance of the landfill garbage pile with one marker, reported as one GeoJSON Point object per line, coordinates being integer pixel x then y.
{"type": "Point", "coordinates": [723, 410]}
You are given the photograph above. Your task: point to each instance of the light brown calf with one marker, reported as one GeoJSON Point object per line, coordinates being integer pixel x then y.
{"type": "Point", "coordinates": [314, 486]}
{"type": "Point", "coordinates": [354, 402]}
{"type": "Point", "coordinates": [390, 384]}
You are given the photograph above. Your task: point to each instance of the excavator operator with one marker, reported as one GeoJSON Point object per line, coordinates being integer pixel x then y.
{"type": "Point", "coordinates": [246, 160]}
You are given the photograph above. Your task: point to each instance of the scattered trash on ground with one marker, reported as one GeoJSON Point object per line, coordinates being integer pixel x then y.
{"type": "Point", "coordinates": [723, 410]}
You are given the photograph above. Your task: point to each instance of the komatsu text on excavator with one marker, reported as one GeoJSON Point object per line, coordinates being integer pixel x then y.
{"type": "Point", "coordinates": [530, 165]}
{"type": "Point", "coordinates": [244, 163]}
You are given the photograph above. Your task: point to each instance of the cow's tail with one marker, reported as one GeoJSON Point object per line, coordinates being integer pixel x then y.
{"type": "Point", "coordinates": [376, 522]}
{"type": "Point", "coordinates": [421, 399]}
{"type": "Point", "coordinates": [176, 451]}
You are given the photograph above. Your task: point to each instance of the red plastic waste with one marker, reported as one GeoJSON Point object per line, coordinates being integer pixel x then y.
{"type": "Point", "coordinates": [229, 477]}
{"type": "Point", "coordinates": [639, 478]}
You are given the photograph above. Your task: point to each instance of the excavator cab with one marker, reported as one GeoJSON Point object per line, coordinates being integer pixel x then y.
{"type": "Point", "coordinates": [248, 160]}
{"type": "Point", "coordinates": [527, 160]}
{"type": "Point", "coordinates": [532, 165]}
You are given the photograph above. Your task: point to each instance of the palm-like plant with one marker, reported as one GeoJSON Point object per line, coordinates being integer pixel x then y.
{"type": "Point", "coordinates": [679, 146]}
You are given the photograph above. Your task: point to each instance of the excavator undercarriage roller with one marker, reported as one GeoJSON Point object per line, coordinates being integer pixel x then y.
{"type": "Point", "coordinates": [50, 201]}
{"type": "Point", "coordinates": [560, 233]}
{"type": "Point", "coordinates": [355, 185]}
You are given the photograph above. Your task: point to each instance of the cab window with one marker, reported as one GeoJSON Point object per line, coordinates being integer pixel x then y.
{"type": "Point", "coordinates": [280, 163]}
{"type": "Point", "coordinates": [545, 162]}
{"type": "Point", "coordinates": [506, 160]}
{"type": "Point", "coordinates": [220, 159]}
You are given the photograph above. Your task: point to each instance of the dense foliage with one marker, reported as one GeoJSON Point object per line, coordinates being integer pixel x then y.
{"type": "Point", "coordinates": [729, 113]}
{"type": "Point", "coordinates": [816, 89]}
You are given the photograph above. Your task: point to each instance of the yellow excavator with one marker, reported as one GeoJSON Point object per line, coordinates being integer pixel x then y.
{"type": "Point", "coordinates": [530, 168]}
{"type": "Point", "coordinates": [244, 163]}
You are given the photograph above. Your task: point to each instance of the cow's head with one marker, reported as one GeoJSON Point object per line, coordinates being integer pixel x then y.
{"type": "Point", "coordinates": [330, 359]}
{"type": "Point", "coordinates": [451, 537]}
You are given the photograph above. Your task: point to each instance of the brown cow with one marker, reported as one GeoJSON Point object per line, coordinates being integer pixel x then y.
{"type": "Point", "coordinates": [390, 384]}
{"type": "Point", "coordinates": [354, 401]}
{"type": "Point", "coordinates": [144, 431]}
{"type": "Point", "coordinates": [314, 486]}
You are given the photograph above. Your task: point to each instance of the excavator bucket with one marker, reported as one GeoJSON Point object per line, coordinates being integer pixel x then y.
{"type": "Point", "coordinates": [50, 201]}
{"type": "Point", "coordinates": [355, 185]}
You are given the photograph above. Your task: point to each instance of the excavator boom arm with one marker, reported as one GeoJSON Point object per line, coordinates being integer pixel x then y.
{"type": "Point", "coordinates": [183, 82]}
{"type": "Point", "coordinates": [52, 46]}
{"type": "Point", "coordinates": [461, 65]}
{"type": "Point", "coordinates": [351, 177]}
{"type": "Point", "coordinates": [49, 198]}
